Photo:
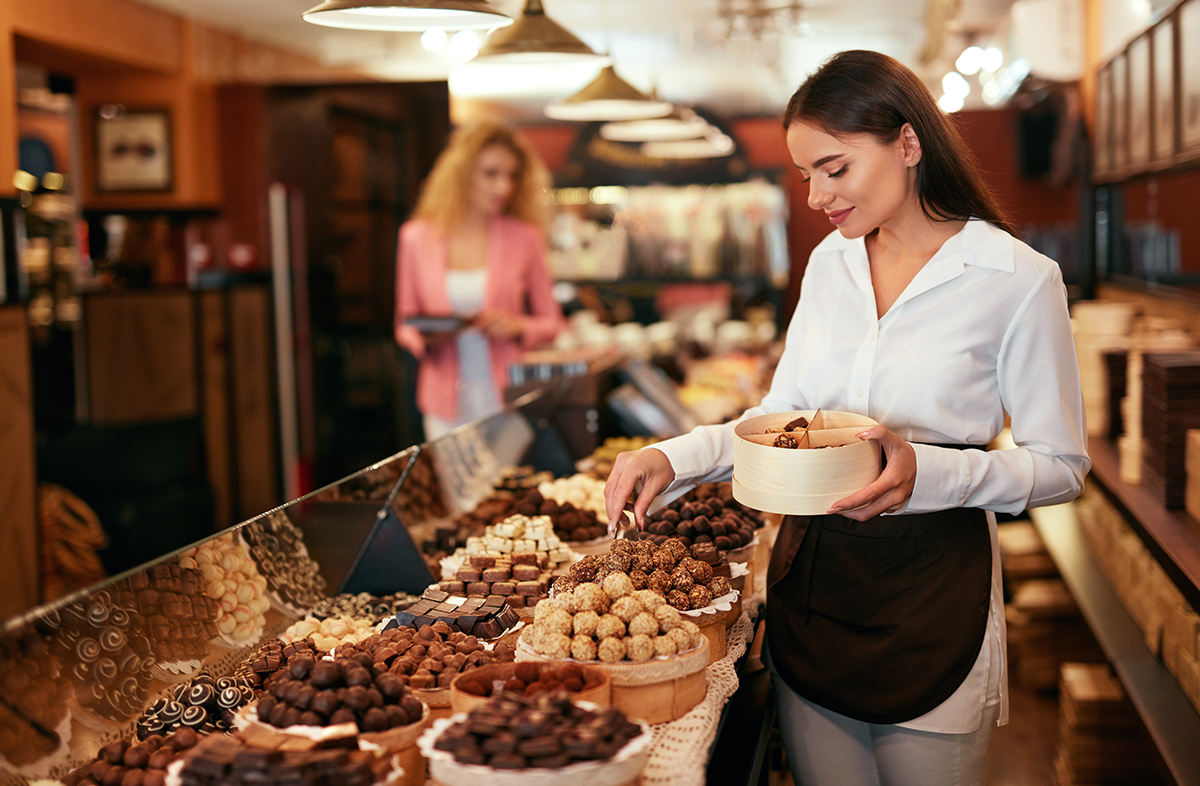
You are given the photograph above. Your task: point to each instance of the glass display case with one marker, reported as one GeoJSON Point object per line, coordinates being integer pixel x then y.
{"type": "Point", "coordinates": [119, 660]}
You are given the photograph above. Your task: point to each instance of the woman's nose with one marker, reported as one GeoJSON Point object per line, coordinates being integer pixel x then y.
{"type": "Point", "coordinates": [817, 196]}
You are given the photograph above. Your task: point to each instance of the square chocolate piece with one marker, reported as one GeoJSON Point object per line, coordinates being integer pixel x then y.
{"type": "Point", "coordinates": [527, 588]}
{"type": "Point", "coordinates": [496, 574]}
{"type": "Point", "coordinates": [468, 574]}
{"type": "Point", "coordinates": [504, 587]}
{"type": "Point", "coordinates": [435, 595]}
{"type": "Point", "coordinates": [451, 586]}
{"type": "Point", "coordinates": [526, 572]}
{"type": "Point", "coordinates": [517, 601]}
{"type": "Point", "coordinates": [479, 588]}
{"type": "Point", "coordinates": [525, 558]}
{"type": "Point", "coordinates": [482, 561]}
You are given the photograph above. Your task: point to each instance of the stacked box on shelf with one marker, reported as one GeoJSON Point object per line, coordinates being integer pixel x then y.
{"type": "Point", "coordinates": [1170, 406]}
{"type": "Point", "coordinates": [1045, 630]}
{"type": "Point", "coordinates": [1152, 335]}
{"type": "Point", "coordinates": [1169, 625]}
{"type": "Point", "coordinates": [1101, 738]}
{"type": "Point", "coordinates": [1116, 364]}
{"type": "Point", "coordinates": [1023, 555]}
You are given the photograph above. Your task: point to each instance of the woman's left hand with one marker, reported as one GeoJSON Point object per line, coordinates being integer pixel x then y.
{"type": "Point", "coordinates": [892, 488]}
{"type": "Point", "coordinates": [498, 324]}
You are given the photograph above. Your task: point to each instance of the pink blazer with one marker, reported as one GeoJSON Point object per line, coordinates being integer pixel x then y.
{"type": "Point", "coordinates": [517, 282]}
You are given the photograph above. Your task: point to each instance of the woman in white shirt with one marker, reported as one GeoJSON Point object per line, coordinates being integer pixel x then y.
{"type": "Point", "coordinates": [923, 311]}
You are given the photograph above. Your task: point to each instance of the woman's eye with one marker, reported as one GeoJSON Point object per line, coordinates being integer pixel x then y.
{"type": "Point", "coordinates": [839, 173]}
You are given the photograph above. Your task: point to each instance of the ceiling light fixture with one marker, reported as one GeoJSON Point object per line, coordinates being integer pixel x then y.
{"type": "Point", "coordinates": [682, 123]}
{"type": "Point", "coordinates": [536, 39]}
{"type": "Point", "coordinates": [608, 97]}
{"type": "Point", "coordinates": [715, 144]}
{"type": "Point", "coordinates": [408, 15]}
{"type": "Point", "coordinates": [756, 20]}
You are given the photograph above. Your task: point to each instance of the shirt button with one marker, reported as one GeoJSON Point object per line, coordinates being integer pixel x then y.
{"type": "Point", "coordinates": [860, 392]}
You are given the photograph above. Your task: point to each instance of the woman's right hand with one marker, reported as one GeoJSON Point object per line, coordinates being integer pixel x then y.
{"type": "Point", "coordinates": [649, 467]}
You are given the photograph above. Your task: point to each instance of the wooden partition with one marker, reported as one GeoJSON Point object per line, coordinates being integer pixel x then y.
{"type": "Point", "coordinates": [19, 582]}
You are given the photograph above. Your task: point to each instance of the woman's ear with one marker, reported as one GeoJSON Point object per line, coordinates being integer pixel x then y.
{"type": "Point", "coordinates": [909, 144]}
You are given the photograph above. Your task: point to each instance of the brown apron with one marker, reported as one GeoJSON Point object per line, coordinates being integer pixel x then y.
{"type": "Point", "coordinates": [879, 620]}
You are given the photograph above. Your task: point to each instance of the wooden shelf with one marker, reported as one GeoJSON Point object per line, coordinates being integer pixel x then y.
{"type": "Point", "coordinates": [1172, 536]}
{"type": "Point", "coordinates": [1171, 720]}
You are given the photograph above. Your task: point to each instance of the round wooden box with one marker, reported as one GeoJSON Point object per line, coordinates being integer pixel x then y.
{"type": "Point", "coordinates": [659, 690]}
{"type": "Point", "coordinates": [461, 701]}
{"type": "Point", "coordinates": [803, 481]}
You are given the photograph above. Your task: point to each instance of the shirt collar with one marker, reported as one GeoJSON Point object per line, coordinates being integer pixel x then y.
{"type": "Point", "coordinates": [978, 243]}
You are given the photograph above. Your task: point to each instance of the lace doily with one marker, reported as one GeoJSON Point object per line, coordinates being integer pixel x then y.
{"type": "Point", "coordinates": [622, 768]}
{"type": "Point", "coordinates": [679, 754]}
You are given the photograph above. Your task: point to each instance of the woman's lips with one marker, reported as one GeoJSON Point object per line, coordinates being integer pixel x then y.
{"type": "Point", "coordinates": [838, 216]}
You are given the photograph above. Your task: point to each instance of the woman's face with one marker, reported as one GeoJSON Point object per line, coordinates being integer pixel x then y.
{"type": "Point", "coordinates": [494, 179]}
{"type": "Point", "coordinates": [859, 182]}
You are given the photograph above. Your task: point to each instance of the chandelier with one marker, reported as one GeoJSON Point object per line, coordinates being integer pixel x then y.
{"type": "Point", "coordinates": [757, 20]}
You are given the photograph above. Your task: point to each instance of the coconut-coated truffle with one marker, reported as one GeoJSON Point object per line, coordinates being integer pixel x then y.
{"type": "Point", "coordinates": [611, 649]}
{"type": "Point", "coordinates": [639, 647]}
{"type": "Point", "coordinates": [617, 585]}
{"type": "Point", "coordinates": [644, 623]}
{"type": "Point", "coordinates": [626, 608]}
{"type": "Point", "coordinates": [668, 617]}
{"type": "Point", "coordinates": [590, 597]}
{"type": "Point", "coordinates": [584, 648]}
{"type": "Point", "coordinates": [664, 645]}
{"type": "Point", "coordinates": [610, 625]}
{"type": "Point", "coordinates": [585, 623]}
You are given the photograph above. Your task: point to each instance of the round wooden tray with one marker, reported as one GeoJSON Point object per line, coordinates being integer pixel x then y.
{"type": "Point", "coordinates": [659, 690]}
{"type": "Point", "coordinates": [460, 701]}
{"type": "Point", "coordinates": [805, 481]}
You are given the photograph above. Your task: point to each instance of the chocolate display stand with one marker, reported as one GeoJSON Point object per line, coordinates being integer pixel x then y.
{"type": "Point", "coordinates": [389, 560]}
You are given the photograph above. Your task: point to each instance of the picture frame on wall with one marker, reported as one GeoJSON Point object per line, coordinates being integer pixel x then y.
{"type": "Point", "coordinates": [1189, 76]}
{"type": "Point", "coordinates": [133, 150]}
{"type": "Point", "coordinates": [1139, 107]}
{"type": "Point", "coordinates": [1120, 112]}
{"type": "Point", "coordinates": [1163, 39]}
{"type": "Point", "coordinates": [1102, 161]}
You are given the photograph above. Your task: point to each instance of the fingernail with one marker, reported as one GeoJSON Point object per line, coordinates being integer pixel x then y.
{"type": "Point", "coordinates": [863, 435]}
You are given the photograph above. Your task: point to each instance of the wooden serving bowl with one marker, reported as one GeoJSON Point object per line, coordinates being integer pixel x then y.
{"type": "Point", "coordinates": [461, 701]}
{"type": "Point", "coordinates": [803, 481]}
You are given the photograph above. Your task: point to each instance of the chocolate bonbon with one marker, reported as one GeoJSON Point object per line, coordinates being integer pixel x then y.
{"type": "Point", "coordinates": [231, 762]}
{"type": "Point", "coordinates": [277, 548]}
{"type": "Point", "coordinates": [485, 617]}
{"type": "Point", "coordinates": [340, 690]}
{"type": "Point", "coordinates": [515, 732]}
{"type": "Point", "coordinates": [127, 763]}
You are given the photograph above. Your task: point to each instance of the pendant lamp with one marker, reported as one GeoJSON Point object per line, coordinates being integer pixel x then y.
{"type": "Point", "coordinates": [714, 144]}
{"type": "Point", "coordinates": [682, 123]}
{"type": "Point", "coordinates": [608, 97]}
{"type": "Point", "coordinates": [408, 15]}
{"type": "Point", "coordinates": [535, 39]}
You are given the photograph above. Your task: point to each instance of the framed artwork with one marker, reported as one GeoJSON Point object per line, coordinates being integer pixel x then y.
{"type": "Point", "coordinates": [1120, 112]}
{"type": "Point", "coordinates": [133, 151]}
{"type": "Point", "coordinates": [1189, 75]}
{"type": "Point", "coordinates": [1163, 100]}
{"type": "Point", "coordinates": [1138, 122]}
{"type": "Point", "coordinates": [1102, 152]}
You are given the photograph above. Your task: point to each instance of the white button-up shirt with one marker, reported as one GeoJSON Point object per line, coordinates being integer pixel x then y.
{"type": "Point", "coordinates": [981, 332]}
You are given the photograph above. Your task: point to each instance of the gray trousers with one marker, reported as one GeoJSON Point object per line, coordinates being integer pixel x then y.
{"type": "Point", "coordinates": [828, 749]}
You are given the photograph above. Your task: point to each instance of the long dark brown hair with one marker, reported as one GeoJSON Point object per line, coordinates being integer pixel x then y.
{"type": "Point", "coordinates": [864, 92]}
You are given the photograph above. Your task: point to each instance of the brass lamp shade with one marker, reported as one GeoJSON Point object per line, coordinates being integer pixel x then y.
{"type": "Point", "coordinates": [535, 39]}
{"type": "Point", "coordinates": [608, 97]}
{"type": "Point", "coordinates": [407, 15]}
{"type": "Point", "coordinates": [681, 124]}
